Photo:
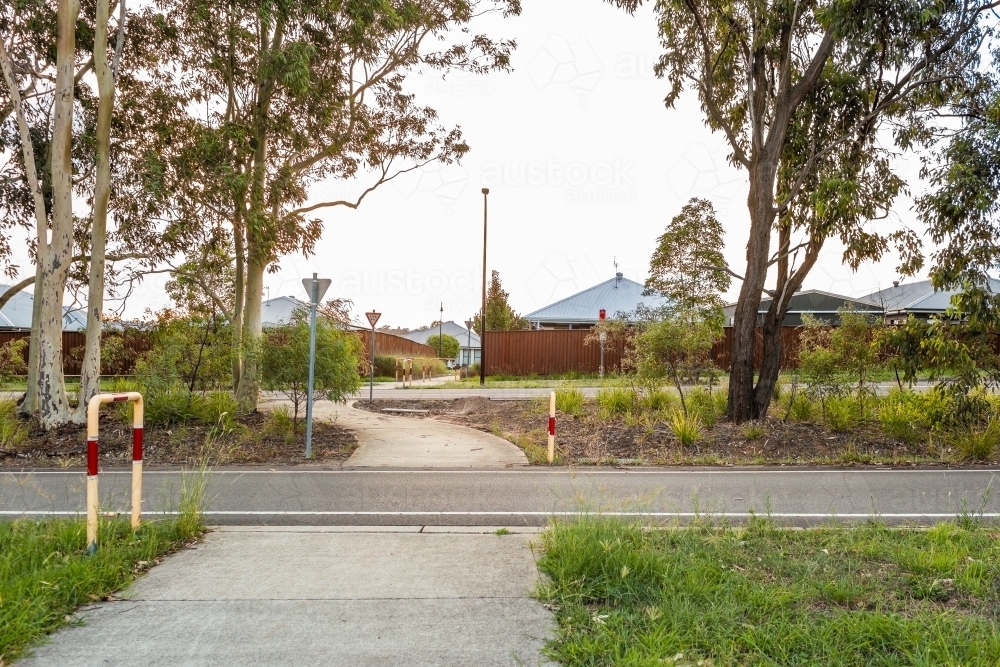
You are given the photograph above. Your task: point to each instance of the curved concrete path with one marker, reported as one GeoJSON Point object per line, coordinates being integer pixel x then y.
{"type": "Point", "coordinates": [406, 442]}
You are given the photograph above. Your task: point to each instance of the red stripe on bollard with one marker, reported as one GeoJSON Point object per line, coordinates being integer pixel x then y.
{"type": "Point", "coordinates": [552, 425]}
{"type": "Point", "coordinates": [137, 444]}
{"type": "Point", "coordinates": [92, 456]}
{"type": "Point", "coordinates": [120, 398]}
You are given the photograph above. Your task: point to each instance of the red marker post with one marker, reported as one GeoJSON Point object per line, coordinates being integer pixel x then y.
{"type": "Point", "coordinates": [93, 503]}
{"type": "Point", "coordinates": [552, 427]}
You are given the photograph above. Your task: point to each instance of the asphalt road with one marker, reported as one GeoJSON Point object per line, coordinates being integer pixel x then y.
{"type": "Point", "coordinates": [512, 497]}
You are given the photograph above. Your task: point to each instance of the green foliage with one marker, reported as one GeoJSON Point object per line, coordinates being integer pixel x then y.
{"type": "Point", "coordinates": [188, 351]}
{"type": "Point", "coordinates": [13, 433]}
{"type": "Point", "coordinates": [280, 424]}
{"type": "Point", "coordinates": [284, 361]}
{"type": "Point", "coordinates": [688, 266]}
{"type": "Point", "coordinates": [656, 399]}
{"type": "Point", "coordinates": [677, 344]}
{"type": "Point", "coordinates": [754, 430]}
{"type": "Point", "coordinates": [801, 408]}
{"type": "Point", "coordinates": [569, 401]}
{"type": "Point", "coordinates": [706, 405]}
{"type": "Point", "coordinates": [499, 315]}
{"type": "Point", "coordinates": [12, 360]}
{"type": "Point", "coordinates": [762, 595]}
{"type": "Point", "coordinates": [45, 573]}
{"type": "Point", "coordinates": [385, 366]}
{"type": "Point", "coordinates": [449, 346]}
{"type": "Point", "coordinates": [831, 359]}
{"type": "Point", "coordinates": [977, 443]}
{"type": "Point", "coordinates": [616, 401]}
{"type": "Point", "coordinates": [842, 412]}
{"type": "Point", "coordinates": [900, 416]}
{"type": "Point", "coordinates": [686, 427]}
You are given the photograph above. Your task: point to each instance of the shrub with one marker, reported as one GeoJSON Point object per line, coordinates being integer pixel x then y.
{"type": "Point", "coordinates": [449, 346]}
{"type": "Point", "coordinates": [703, 404]}
{"type": "Point", "coordinates": [753, 431]}
{"type": "Point", "coordinates": [385, 365]}
{"type": "Point", "coordinates": [686, 427]}
{"type": "Point", "coordinates": [284, 361]}
{"type": "Point", "coordinates": [12, 364]}
{"type": "Point", "coordinates": [977, 444]}
{"type": "Point", "coordinates": [166, 407]}
{"type": "Point", "coordinates": [569, 401]}
{"type": "Point", "coordinates": [616, 401]}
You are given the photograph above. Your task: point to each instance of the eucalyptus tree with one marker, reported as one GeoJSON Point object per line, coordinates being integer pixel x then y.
{"type": "Point", "coordinates": [58, 134]}
{"type": "Point", "coordinates": [814, 98]}
{"type": "Point", "coordinates": [287, 96]}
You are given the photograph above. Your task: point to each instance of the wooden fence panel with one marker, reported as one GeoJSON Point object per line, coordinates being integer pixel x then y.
{"type": "Point", "coordinates": [395, 346]}
{"type": "Point", "coordinates": [134, 343]}
{"type": "Point", "coordinates": [546, 352]}
{"type": "Point", "coordinates": [722, 351]}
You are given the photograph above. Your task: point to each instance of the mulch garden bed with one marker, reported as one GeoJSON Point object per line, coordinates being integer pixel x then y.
{"type": "Point", "coordinates": [182, 444]}
{"type": "Point", "coordinates": [588, 439]}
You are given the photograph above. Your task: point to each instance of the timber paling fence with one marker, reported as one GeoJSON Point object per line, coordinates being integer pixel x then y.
{"type": "Point", "coordinates": [557, 351]}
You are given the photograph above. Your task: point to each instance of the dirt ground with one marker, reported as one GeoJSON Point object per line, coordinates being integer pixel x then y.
{"type": "Point", "coordinates": [189, 445]}
{"type": "Point", "coordinates": [587, 439]}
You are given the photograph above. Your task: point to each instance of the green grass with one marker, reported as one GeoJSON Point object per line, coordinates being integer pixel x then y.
{"type": "Point", "coordinates": [45, 573]}
{"type": "Point", "coordinates": [832, 596]}
{"type": "Point", "coordinates": [569, 401]}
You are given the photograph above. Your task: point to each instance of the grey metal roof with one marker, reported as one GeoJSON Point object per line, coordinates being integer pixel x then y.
{"type": "Point", "coordinates": [280, 310]}
{"type": "Point", "coordinates": [918, 297]}
{"type": "Point", "coordinates": [16, 313]}
{"type": "Point", "coordinates": [618, 295]}
{"type": "Point", "coordinates": [450, 328]}
{"type": "Point", "coordinates": [818, 301]}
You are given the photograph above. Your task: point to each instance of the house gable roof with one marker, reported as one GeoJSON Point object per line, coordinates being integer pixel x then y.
{"type": "Point", "coordinates": [617, 295]}
{"type": "Point", "coordinates": [451, 328]}
{"type": "Point", "coordinates": [818, 301]}
{"type": "Point", "coordinates": [918, 297]}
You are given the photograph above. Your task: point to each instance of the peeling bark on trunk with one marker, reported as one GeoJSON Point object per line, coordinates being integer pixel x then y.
{"type": "Point", "coordinates": [90, 371]}
{"type": "Point", "coordinates": [247, 391]}
{"type": "Point", "coordinates": [53, 403]}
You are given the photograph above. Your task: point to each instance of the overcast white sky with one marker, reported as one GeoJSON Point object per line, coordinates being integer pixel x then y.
{"type": "Point", "coordinates": [585, 167]}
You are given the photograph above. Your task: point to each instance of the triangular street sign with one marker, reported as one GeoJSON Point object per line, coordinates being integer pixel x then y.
{"type": "Point", "coordinates": [324, 285]}
{"type": "Point", "coordinates": [373, 318]}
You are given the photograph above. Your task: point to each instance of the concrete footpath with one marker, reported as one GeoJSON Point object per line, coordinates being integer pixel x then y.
{"type": "Point", "coordinates": [322, 596]}
{"type": "Point", "coordinates": [390, 441]}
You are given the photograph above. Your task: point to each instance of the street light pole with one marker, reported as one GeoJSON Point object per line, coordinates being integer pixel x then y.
{"type": "Point", "coordinates": [468, 329]}
{"type": "Point", "coordinates": [372, 318]}
{"type": "Point", "coordinates": [482, 331]}
{"type": "Point", "coordinates": [440, 330]}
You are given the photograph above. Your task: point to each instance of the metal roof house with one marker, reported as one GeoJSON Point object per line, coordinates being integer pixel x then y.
{"type": "Point", "coordinates": [582, 310]}
{"type": "Point", "coordinates": [917, 298]}
{"type": "Point", "coordinates": [824, 306]}
{"type": "Point", "coordinates": [470, 348]}
{"type": "Point", "coordinates": [16, 313]}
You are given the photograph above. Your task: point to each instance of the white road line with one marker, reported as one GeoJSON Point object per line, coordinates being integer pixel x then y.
{"type": "Point", "coordinates": [781, 515]}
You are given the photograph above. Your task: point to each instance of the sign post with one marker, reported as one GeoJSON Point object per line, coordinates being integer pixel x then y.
{"type": "Point", "coordinates": [316, 288]}
{"type": "Point", "coordinates": [604, 337]}
{"type": "Point", "coordinates": [372, 319]}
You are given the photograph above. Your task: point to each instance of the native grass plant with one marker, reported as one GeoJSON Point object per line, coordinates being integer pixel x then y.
{"type": "Point", "coordinates": [754, 430]}
{"type": "Point", "coordinates": [686, 427]}
{"type": "Point", "coordinates": [617, 401]}
{"type": "Point", "coordinates": [569, 401]}
{"type": "Point", "coordinates": [761, 595]}
{"type": "Point", "coordinates": [977, 443]}
{"type": "Point", "coordinates": [13, 432]}
{"type": "Point", "coordinates": [901, 416]}
{"type": "Point", "coordinates": [710, 406]}
{"type": "Point", "coordinates": [280, 424]}
{"type": "Point", "coordinates": [657, 399]}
